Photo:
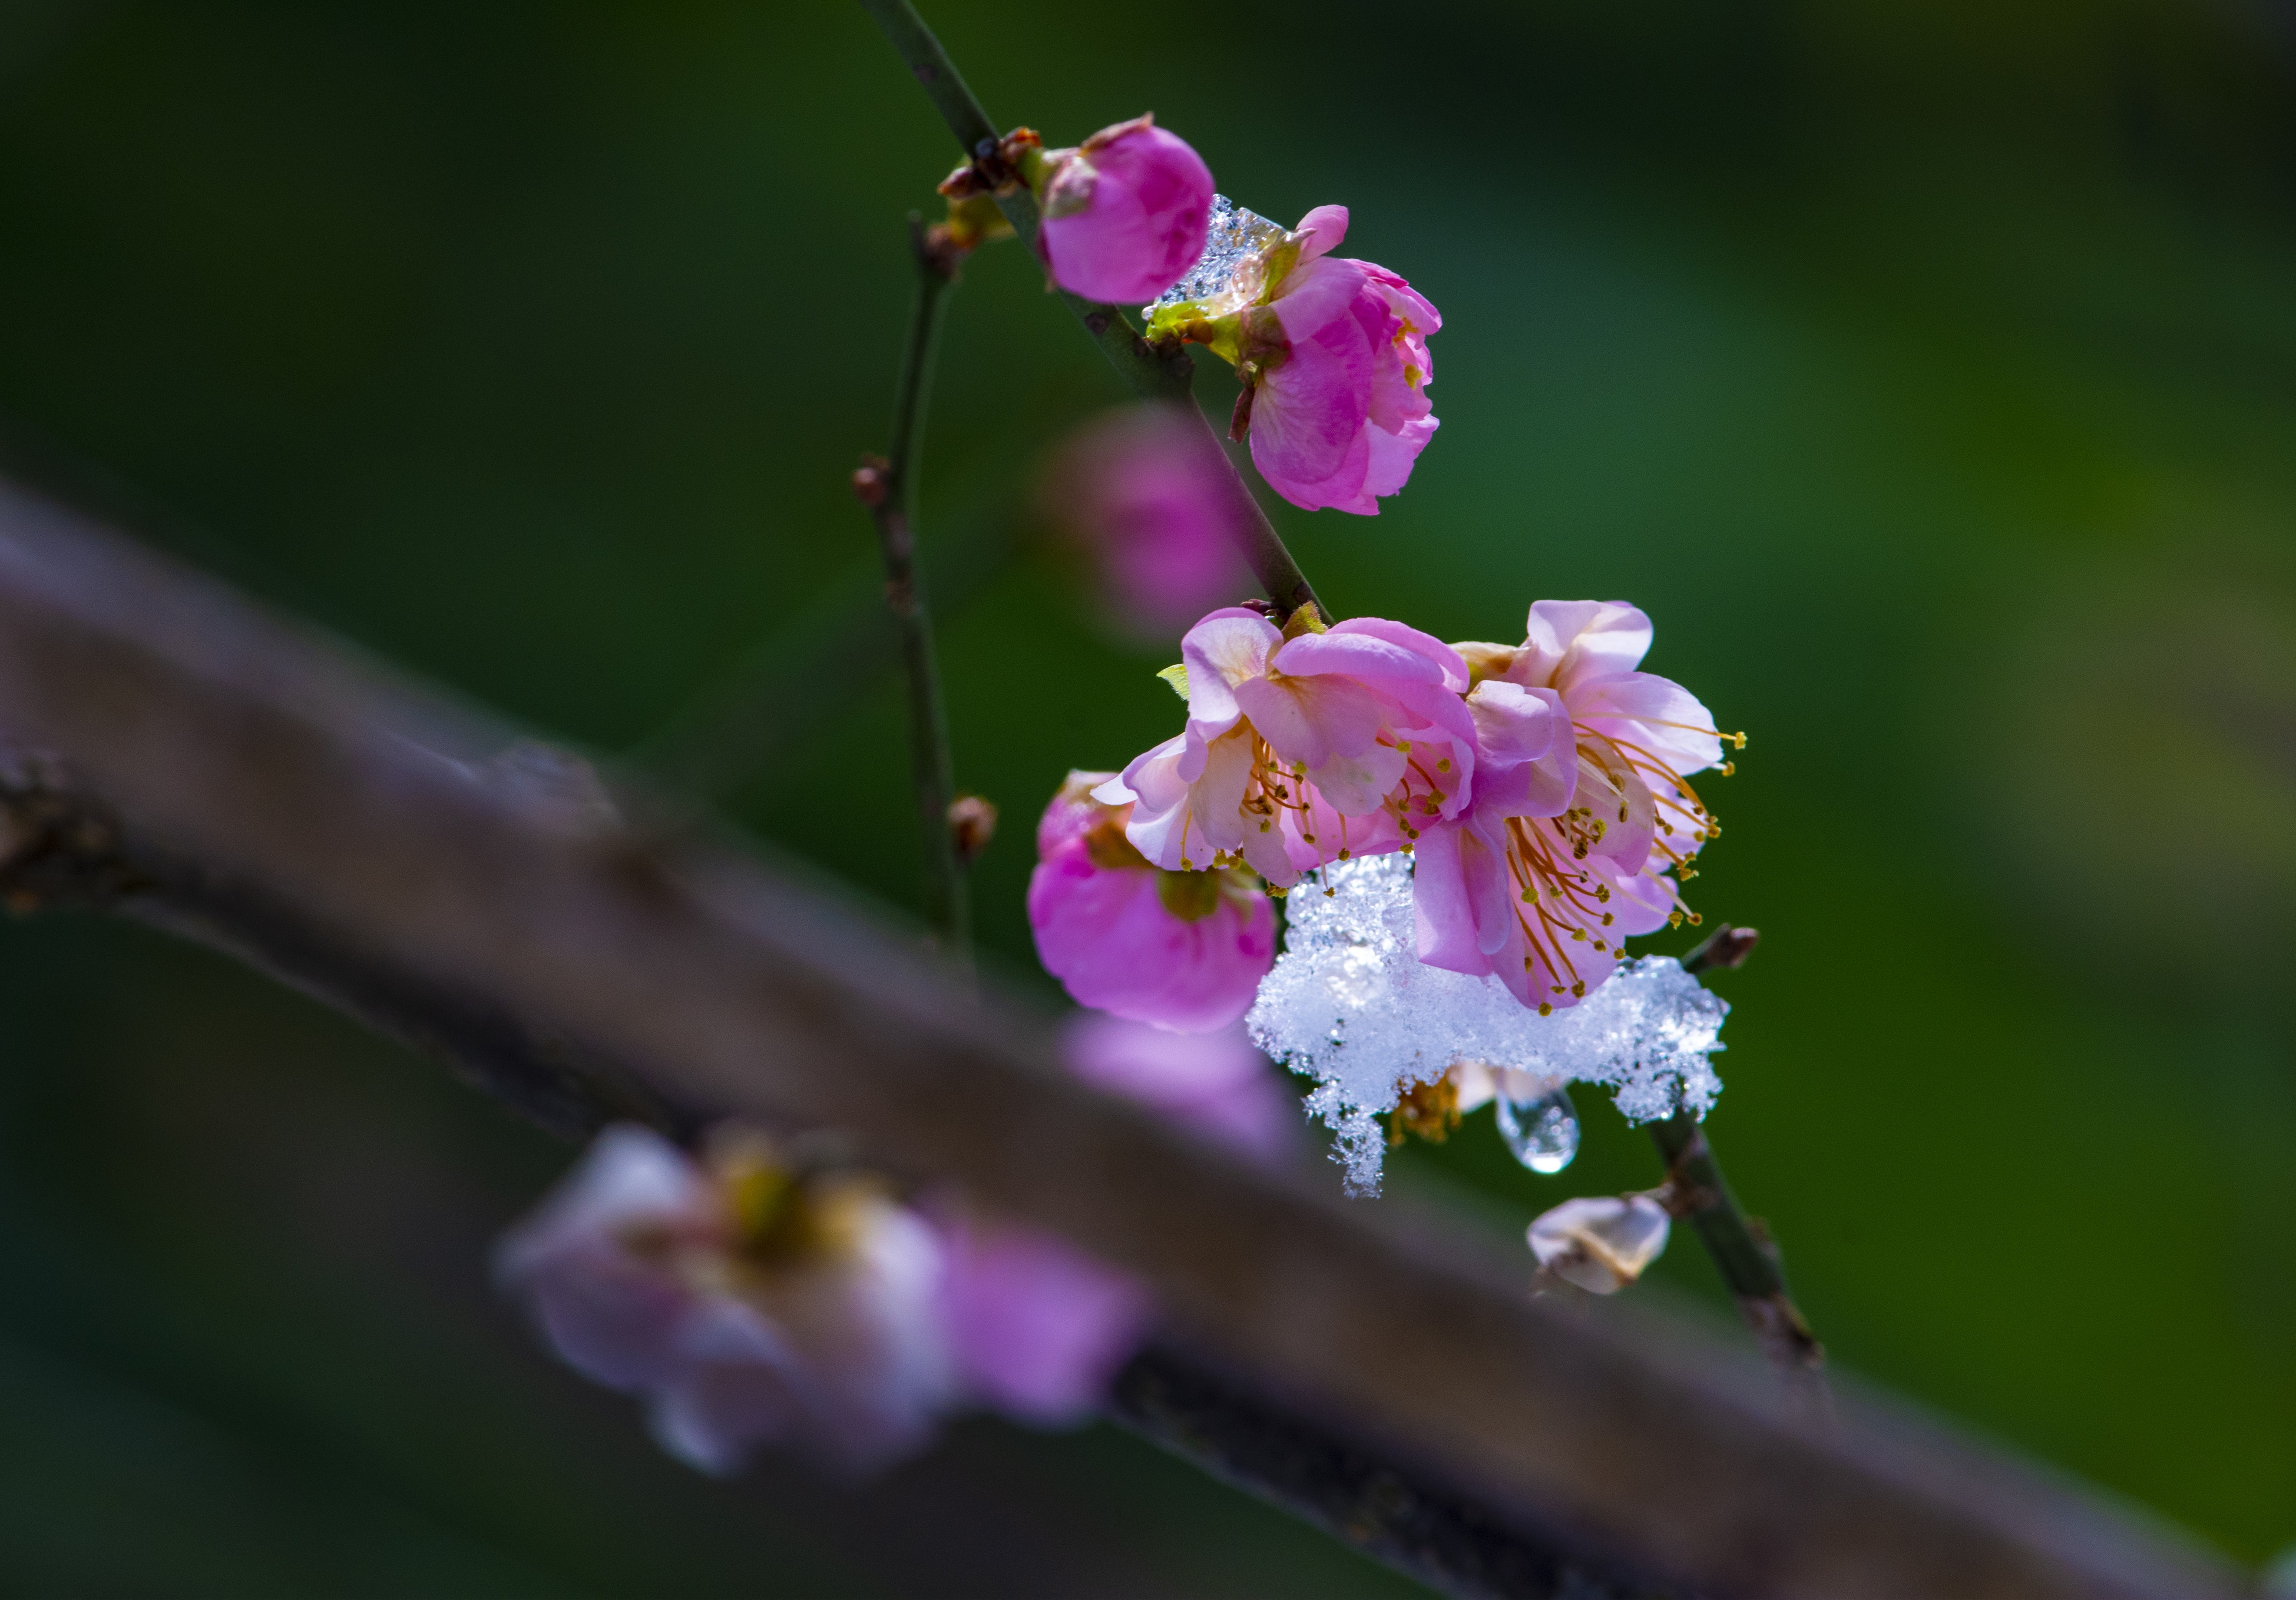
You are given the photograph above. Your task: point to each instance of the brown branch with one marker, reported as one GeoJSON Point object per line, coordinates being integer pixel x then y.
{"type": "Point", "coordinates": [1743, 1251]}
{"type": "Point", "coordinates": [288, 771]}
{"type": "Point", "coordinates": [887, 485]}
{"type": "Point", "coordinates": [62, 850]}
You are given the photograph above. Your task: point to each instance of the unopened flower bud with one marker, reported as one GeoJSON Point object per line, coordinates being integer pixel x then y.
{"type": "Point", "coordinates": [972, 825]}
{"type": "Point", "coordinates": [1126, 214]}
{"type": "Point", "coordinates": [1600, 1243]}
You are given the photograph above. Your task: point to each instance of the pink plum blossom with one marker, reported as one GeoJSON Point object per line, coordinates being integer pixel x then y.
{"type": "Point", "coordinates": [1332, 354]}
{"type": "Point", "coordinates": [1328, 744]}
{"type": "Point", "coordinates": [1125, 214]}
{"type": "Point", "coordinates": [746, 1305]}
{"type": "Point", "coordinates": [1582, 808]}
{"type": "Point", "coordinates": [1037, 1326]}
{"type": "Point", "coordinates": [1145, 493]}
{"type": "Point", "coordinates": [1181, 949]}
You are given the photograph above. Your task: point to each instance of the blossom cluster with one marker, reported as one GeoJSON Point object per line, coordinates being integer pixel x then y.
{"type": "Point", "coordinates": [1543, 788]}
{"type": "Point", "coordinates": [1484, 825]}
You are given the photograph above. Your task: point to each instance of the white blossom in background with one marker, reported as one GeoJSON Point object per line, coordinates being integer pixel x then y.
{"type": "Point", "coordinates": [1350, 1005]}
{"type": "Point", "coordinates": [746, 1305]}
{"type": "Point", "coordinates": [1602, 1243]}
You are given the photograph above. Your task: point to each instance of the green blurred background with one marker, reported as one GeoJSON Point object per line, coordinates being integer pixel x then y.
{"type": "Point", "coordinates": [1927, 372]}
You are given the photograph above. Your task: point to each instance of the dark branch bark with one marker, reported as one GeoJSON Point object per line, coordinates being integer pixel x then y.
{"type": "Point", "coordinates": [298, 781]}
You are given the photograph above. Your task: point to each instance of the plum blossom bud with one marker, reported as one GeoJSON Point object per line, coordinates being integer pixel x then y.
{"type": "Point", "coordinates": [1125, 214]}
{"type": "Point", "coordinates": [746, 1303]}
{"type": "Point", "coordinates": [1182, 949]}
{"type": "Point", "coordinates": [1600, 1243]}
{"type": "Point", "coordinates": [1147, 497]}
{"type": "Point", "coordinates": [972, 825]}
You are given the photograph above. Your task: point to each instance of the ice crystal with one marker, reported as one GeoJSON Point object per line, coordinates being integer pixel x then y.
{"type": "Point", "coordinates": [1350, 1005]}
{"type": "Point", "coordinates": [1221, 273]}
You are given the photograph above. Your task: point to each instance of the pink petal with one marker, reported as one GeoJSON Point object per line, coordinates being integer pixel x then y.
{"type": "Point", "coordinates": [1569, 640]}
{"type": "Point", "coordinates": [1325, 228]}
{"type": "Point", "coordinates": [1037, 1326]}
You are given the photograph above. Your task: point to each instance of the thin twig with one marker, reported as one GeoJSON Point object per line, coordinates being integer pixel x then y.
{"type": "Point", "coordinates": [1163, 375]}
{"type": "Point", "coordinates": [263, 758]}
{"type": "Point", "coordinates": [1744, 1254]}
{"type": "Point", "coordinates": [888, 487]}
{"type": "Point", "coordinates": [801, 675]}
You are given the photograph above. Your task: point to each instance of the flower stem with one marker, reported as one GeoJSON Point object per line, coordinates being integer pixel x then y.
{"type": "Point", "coordinates": [1742, 1248]}
{"type": "Point", "coordinates": [1162, 375]}
{"type": "Point", "coordinates": [889, 490]}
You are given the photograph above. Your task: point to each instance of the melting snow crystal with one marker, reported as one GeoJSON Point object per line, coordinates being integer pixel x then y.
{"type": "Point", "coordinates": [1349, 1003]}
{"type": "Point", "coordinates": [1236, 236]}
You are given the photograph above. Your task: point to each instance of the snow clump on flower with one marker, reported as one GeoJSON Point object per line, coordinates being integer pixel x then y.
{"type": "Point", "coordinates": [1350, 1005]}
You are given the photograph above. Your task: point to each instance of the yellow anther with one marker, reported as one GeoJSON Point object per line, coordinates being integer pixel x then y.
{"type": "Point", "coordinates": [1545, 1009]}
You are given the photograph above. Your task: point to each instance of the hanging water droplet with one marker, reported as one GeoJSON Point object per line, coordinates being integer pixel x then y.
{"type": "Point", "coordinates": [1542, 1131]}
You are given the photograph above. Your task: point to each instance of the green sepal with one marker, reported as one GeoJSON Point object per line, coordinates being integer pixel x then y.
{"type": "Point", "coordinates": [1190, 896]}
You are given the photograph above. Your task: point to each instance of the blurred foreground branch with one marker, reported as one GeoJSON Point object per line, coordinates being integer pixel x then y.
{"type": "Point", "coordinates": [268, 792]}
